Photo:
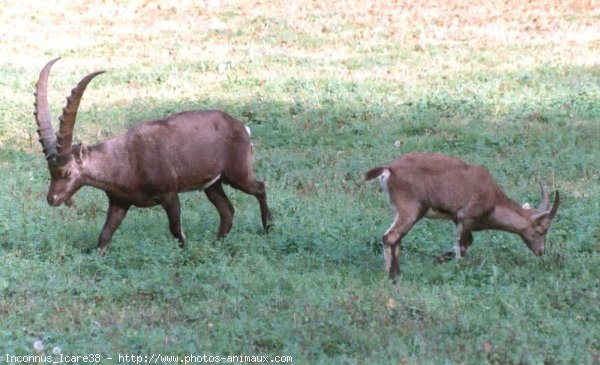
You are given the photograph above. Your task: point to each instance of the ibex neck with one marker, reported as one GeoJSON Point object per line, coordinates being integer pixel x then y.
{"type": "Point", "coordinates": [102, 169]}
{"type": "Point", "coordinates": [509, 216]}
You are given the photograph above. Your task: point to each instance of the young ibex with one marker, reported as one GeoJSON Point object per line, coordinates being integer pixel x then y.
{"type": "Point", "coordinates": [436, 186]}
{"type": "Point", "coordinates": [150, 163]}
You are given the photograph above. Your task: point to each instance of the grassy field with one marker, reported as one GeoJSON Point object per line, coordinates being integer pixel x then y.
{"type": "Point", "coordinates": [329, 89]}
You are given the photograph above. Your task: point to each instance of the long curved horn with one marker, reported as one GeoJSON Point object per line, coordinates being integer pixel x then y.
{"type": "Point", "coordinates": [554, 205]}
{"type": "Point", "coordinates": [67, 119]}
{"type": "Point", "coordinates": [545, 202]}
{"type": "Point", "coordinates": [42, 114]}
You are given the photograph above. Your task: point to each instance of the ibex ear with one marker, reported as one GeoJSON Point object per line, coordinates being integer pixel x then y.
{"type": "Point", "coordinates": [526, 206]}
{"type": "Point", "coordinates": [538, 218]}
{"type": "Point", "coordinates": [81, 152]}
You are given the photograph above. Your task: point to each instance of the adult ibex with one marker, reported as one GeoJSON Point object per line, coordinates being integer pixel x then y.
{"type": "Point", "coordinates": [436, 186]}
{"type": "Point", "coordinates": [150, 163]}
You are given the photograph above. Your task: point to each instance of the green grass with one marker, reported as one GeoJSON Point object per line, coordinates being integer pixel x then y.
{"type": "Point", "coordinates": [329, 91]}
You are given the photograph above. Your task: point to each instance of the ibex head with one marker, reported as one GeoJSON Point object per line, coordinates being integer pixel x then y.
{"type": "Point", "coordinates": [540, 220]}
{"type": "Point", "coordinates": [64, 159]}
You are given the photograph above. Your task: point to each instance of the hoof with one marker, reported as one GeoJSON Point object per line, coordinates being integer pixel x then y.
{"type": "Point", "coordinates": [445, 257]}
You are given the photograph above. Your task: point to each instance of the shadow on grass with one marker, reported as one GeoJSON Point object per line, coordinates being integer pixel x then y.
{"type": "Point", "coordinates": [313, 158]}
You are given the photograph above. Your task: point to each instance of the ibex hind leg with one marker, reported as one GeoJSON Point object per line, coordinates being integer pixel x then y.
{"type": "Point", "coordinates": [216, 195]}
{"type": "Point", "coordinates": [403, 222]}
{"type": "Point", "coordinates": [257, 188]}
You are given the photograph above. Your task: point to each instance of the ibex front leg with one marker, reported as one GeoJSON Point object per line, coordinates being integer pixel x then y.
{"type": "Point", "coordinates": [464, 238]}
{"type": "Point", "coordinates": [216, 195]}
{"type": "Point", "coordinates": [170, 202]}
{"type": "Point", "coordinates": [116, 213]}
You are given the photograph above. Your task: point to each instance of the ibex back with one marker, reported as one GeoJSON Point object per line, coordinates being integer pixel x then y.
{"type": "Point", "coordinates": [150, 163]}
{"type": "Point", "coordinates": [436, 186]}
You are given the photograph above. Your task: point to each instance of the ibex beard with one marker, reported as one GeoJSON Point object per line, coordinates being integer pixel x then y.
{"type": "Point", "coordinates": [150, 163]}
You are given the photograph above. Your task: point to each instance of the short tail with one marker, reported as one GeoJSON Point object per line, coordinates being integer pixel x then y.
{"type": "Point", "coordinates": [375, 173]}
